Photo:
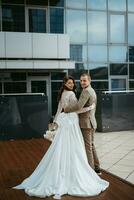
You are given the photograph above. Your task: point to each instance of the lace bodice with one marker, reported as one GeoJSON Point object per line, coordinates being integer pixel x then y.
{"type": "Point", "coordinates": [68, 98]}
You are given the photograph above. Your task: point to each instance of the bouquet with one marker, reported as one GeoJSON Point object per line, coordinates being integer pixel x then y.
{"type": "Point", "coordinates": [50, 133]}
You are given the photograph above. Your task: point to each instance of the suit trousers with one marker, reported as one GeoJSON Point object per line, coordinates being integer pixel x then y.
{"type": "Point", "coordinates": [88, 135]}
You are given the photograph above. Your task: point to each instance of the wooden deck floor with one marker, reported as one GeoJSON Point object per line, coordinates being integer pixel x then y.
{"type": "Point", "coordinates": [19, 158]}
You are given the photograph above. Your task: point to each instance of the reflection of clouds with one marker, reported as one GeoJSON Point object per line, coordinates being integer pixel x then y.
{"type": "Point", "coordinates": [76, 25]}
{"type": "Point", "coordinates": [131, 28]}
{"type": "Point", "coordinates": [115, 5]}
{"type": "Point", "coordinates": [97, 27]}
{"type": "Point", "coordinates": [117, 28]}
{"type": "Point", "coordinates": [118, 54]}
{"type": "Point", "coordinates": [96, 4]}
{"type": "Point", "coordinates": [76, 3]}
{"type": "Point", "coordinates": [97, 53]}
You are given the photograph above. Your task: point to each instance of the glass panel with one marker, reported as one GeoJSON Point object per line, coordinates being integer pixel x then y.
{"type": "Point", "coordinates": [18, 76]}
{"type": "Point", "coordinates": [59, 3]}
{"type": "Point", "coordinates": [0, 88]}
{"type": "Point", "coordinates": [55, 90]}
{"type": "Point", "coordinates": [0, 19]}
{"type": "Point", "coordinates": [96, 4]}
{"type": "Point", "coordinates": [97, 53]}
{"type": "Point", "coordinates": [13, 18]}
{"type": "Point", "coordinates": [13, 1]}
{"type": "Point", "coordinates": [79, 69]}
{"type": "Point", "coordinates": [38, 86]}
{"type": "Point", "coordinates": [131, 85]}
{"type": "Point", "coordinates": [76, 4]}
{"type": "Point", "coordinates": [131, 28]}
{"type": "Point", "coordinates": [98, 71]}
{"type": "Point", "coordinates": [15, 87]}
{"type": "Point", "coordinates": [117, 28]}
{"type": "Point", "coordinates": [118, 69]}
{"type": "Point", "coordinates": [57, 75]}
{"type": "Point", "coordinates": [131, 53]}
{"type": "Point", "coordinates": [131, 71]}
{"type": "Point", "coordinates": [118, 53]}
{"type": "Point", "coordinates": [131, 5]}
{"type": "Point", "coordinates": [56, 20]}
{"type": "Point", "coordinates": [100, 85]}
{"type": "Point", "coordinates": [97, 27]}
{"type": "Point", "coordinates": [119, 5]}
{"type": "Point", "coordinates": [78, 52]}
{"type": "Point", "coordinates": [76, 25]}
{"type": "Point", "coordinates": [37, 20]}
{"type": "Point", "coordinates": [118, 84]}
{"type": "Point", "coordinates": [39, 2]}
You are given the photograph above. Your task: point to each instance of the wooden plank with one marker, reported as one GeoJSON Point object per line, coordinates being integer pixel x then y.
{"type": "Point", "coordinates": [19, 158]}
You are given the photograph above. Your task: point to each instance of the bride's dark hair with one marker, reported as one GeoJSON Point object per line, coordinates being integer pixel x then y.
{"type": "Point", "coordinates": [64, 87]}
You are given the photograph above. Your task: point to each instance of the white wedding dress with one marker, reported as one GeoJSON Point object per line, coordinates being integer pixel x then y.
{"type": "Point", "coordinates": [64, 169]}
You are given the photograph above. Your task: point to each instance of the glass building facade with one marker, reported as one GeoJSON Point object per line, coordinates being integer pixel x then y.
{"type": "Point", "coordinates": [101, 36]}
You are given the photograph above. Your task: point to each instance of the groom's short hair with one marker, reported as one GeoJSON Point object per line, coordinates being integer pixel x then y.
{"type": "Point", "coordinates": [86, 74]}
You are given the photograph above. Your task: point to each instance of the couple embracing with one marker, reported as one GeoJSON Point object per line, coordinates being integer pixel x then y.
{"type": "Point", "coordinates": [70, 165]}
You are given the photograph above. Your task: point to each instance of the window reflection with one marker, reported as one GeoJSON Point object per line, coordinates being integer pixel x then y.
{"type": "Point", "coordinates": [119, 5]}
{"type": "Point", "coordinates": [57, 75]}
{"type": "Point", "coordinates": [131, 28]}
{"type": "Point", "coordinates": [96, 4]}
{"type": "Point", "coordinates": [56, 20]}
{"type": "Point", "coordinates": [37, 20]}
{"type": "Point", "coordinates": [13, 18]}
{"type": "Point", "coordinates": [117, 28]}
{"type": "Point", "coordinates": [76, 25]}
{"type": "Point", "coordinates": [13, 1]}
{"type": "Point", "coordinates": [131, 71]}
{"type": "Point", "coordinates": [97, 27]}
{"type": "Point", "coordinates": [118, 84]}
{"type": "Point", "coordinates": [131, 85]}
{"type": "Point", "coordinates": [0, 87]}
{"type": "Point", "coordinates": [98, 71]}
{"type": "Point", "coordinates": [118, 54]}
{"type": "Point", "coordinates": [79, 69]}
{"type": "Point", "coordinates": [100, 85]}
{"type": "Point", "coordinates": [131, 5]}
{"type": "Point", "coordinates": [118, 69]}
{"type": "Point", "coordinates": [76, 4]}
{"type": "Point", "coordinates": [97, 53]}
{"type": "Point", "coordinates": [78, 52]}
{"type": "Point", "coordinates": [58, 3]}
{"type": "Point", "coordinates": [39, 2]}
{"type": "Point", "coordinates": [14, 87]}
{"type": "Point", "coordinates": [131, 53]}
{"type": "Point", "coordinates": [55, 86]}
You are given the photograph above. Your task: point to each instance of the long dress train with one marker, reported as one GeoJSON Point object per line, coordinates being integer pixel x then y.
{"type": "Point", "coordinates": [64, 169]}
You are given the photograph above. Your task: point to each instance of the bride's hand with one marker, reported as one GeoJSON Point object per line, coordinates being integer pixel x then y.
{"type": "Point", "coordinates": [92, 106]}
{"type": "Point", "coordinates": [65, 110]}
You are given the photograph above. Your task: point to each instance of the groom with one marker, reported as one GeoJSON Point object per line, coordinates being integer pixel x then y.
{"type": "Point", "coordinates": [87, 120]}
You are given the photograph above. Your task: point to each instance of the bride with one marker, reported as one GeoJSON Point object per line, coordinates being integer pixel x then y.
{"type": "Point", "coordinates": [64, 169]}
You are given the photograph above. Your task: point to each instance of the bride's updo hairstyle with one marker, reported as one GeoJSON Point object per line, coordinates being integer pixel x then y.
{"type": "Point", "coordinates": [64, 87]}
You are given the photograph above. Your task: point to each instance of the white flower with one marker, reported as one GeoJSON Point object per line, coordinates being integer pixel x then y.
{"type": "Point", "coordinates": [49, 135]}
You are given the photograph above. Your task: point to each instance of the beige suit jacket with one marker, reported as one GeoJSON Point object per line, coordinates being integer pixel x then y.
{"type": "Point", "coordinates": [87, 98]}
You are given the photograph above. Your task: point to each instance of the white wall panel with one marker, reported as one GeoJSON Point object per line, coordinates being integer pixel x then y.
{"type": "Point", "coordinates": [63, 46]}
{"type": "Point", "coordinates": [19, 64]}
{"type": "Point", "coordinates": [44, 45]}
{"type": "Point", "coordinates": [18, 45]}
{"type": "Point", "coordinates": [34, 45]}
{"type": "Point", "coordinates": [47, 64]}
{"type": "Point", "coordinates": [2, 64]}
